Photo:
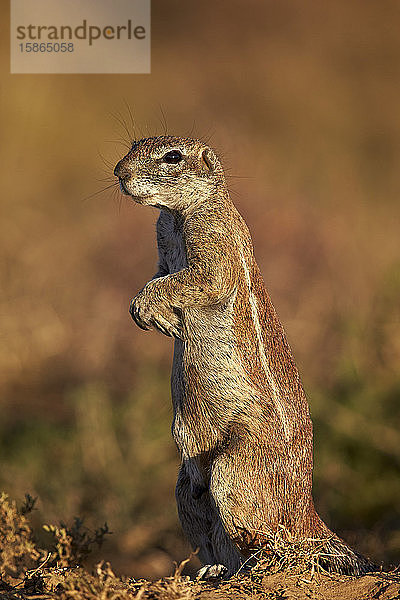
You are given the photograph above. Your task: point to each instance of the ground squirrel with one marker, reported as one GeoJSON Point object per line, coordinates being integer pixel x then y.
{"type": "Point", "coordinates": [241, 418]}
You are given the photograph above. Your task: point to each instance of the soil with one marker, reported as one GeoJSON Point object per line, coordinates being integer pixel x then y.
{"type": "Point", "coordinates": [320, 587]}
{"type": "Point", "coordinates": [290, 572]}
{"type": "Point", "coordinates": [77, 584]}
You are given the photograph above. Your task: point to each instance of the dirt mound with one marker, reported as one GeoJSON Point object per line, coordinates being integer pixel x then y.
{"type": "Point", "coordinates": [78, 584]}
{"type": "Point", "coordinates": [28, 572]}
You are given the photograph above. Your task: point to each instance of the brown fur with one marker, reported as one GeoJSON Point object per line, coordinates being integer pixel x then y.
{"type": "Point", "coordinates": [241, 419]}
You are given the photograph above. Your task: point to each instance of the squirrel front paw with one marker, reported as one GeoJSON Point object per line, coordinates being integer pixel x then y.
{"type": "Point", "coordinates": [148, 312]}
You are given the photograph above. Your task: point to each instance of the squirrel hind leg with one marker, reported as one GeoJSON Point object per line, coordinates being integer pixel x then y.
{"type": "Point", "coordinates": [204, 529]}
{"type": "Point", "coordinates": [194, 514]}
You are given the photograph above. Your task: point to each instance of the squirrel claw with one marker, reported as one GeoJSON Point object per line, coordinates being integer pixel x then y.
{"type": "Point", "coordinates": [145, 318]}
{"type": "Point", "coordinates": [135, 316]}
{"type": "Point", "coordinates": [166, 327]}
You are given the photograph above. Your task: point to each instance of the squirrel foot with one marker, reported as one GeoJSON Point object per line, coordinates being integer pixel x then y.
{"type": "Point", "coordinates": [211, 572]}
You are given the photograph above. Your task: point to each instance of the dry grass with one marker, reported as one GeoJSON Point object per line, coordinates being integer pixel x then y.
{"type": "Point", "coordinates": [283, 553]}
{"type": "Point", "coordinates": [27, 571]}
{"type": "Point", "coordinates": [287, 570]}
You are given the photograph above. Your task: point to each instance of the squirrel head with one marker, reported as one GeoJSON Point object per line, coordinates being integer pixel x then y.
{"type": "Point", "coordinates": [169, 172]}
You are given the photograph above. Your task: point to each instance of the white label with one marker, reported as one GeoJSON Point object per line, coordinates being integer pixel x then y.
{"type": "Point", "coordinates": [80, 36]}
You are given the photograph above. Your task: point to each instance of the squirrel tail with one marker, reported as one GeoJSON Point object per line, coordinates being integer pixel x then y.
{"type": "Point", "coordinates": [337, 556]}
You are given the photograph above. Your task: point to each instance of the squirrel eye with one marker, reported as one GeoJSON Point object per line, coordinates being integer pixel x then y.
{"type": "Point", "coordinates": [172, 157]}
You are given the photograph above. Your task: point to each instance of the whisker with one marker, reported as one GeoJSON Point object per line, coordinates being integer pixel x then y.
{"type": "Point", "coordinates": [207, 137]}
{"type": "Point", "coordinates": [121, 142]}
{"type": "Point", "coordinates": [235, 193]}
{"type": "Point", "coordinates": [103, 179]}
{"type": "Point", "coordinates": [119, 119]}
{"type": "Point", "coordinates": [107, 172]}
{"type": "Point", "coordinates": [108, 164]}
{"type": "Point", "coordinates": [192, 129]}
{"type": "Point", "coordinates": [163, 120]}
{"type": "Point", "coordinates": [131, 118]}
{"type": "Point", "coordinates": [128, 131]}
{"type": "Point", "coordinates": [101, 191]}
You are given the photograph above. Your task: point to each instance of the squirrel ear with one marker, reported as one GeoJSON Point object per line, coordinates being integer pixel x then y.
{"type": "Point", "coordinates": [210, 159]}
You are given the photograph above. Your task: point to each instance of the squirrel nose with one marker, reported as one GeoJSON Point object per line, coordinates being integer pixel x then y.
{"type": "Point", "coordinates": [121, 170]}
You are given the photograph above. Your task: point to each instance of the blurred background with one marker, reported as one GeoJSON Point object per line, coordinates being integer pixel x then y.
{"type": "Point", "coordinates": [301, 98]}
